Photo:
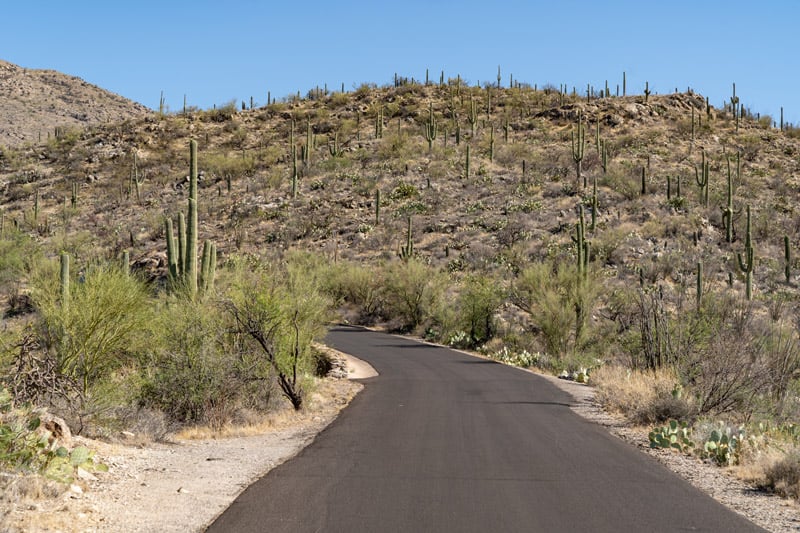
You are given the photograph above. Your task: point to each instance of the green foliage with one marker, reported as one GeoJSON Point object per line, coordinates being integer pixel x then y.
{"type": "Point", "coordinates": [104, 327]}
{"type": "Point", "coordinates": [558, 299]}
{"type": "Point", "coordinates": [190, 375]}
{"type": "Point", "coordinates": [280, 312]}
{"type": "Point", "coordinates": [403, 191]}
{"type": "Point", "coordinates": [412, 290]}
{"type": "Point", "coordinates": [478, 301]}
{"type": "Point", "coordinates": [18, 254]}
{"type": "Point", "coordinates": [674, 435]}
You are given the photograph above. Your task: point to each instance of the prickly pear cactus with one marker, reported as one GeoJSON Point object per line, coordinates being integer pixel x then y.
{"type": "Point", "coordinates": [675, 435]}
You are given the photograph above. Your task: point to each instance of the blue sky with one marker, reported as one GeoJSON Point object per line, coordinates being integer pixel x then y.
{"type": "Point", "coordinates": [214, 52]}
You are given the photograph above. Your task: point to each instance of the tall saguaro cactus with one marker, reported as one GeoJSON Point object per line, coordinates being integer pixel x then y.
{"type": "Point", "coordinates": [65, 280]}
{"type": "Point", "coordinates": [430, 128]}
{"type": "Point", "coordinates": [407, 251]}
{"type": "Point", "coordinates": [581, 244]}
{"type": "Point", "coordinates": [727, 212]}
{"type": "Point", "coordinates": [472, 115]}
{"type": "Point", "coordinates": [191, 228]}
{"type": "Point", "coordinates": [182, 256]}
{"type": "Point", "coordinates": [787, 259]}
{"type": "Point", "coordinates": [702, 180]}
{"type": "Point", "coordinates": [578, 146]}
{"type": "Point", "coordinates": [699, 287]}
{"type": "Point", "coordinates": [747, 263]}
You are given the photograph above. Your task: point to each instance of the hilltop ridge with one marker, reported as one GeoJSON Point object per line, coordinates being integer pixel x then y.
{"type": "Point", "coordinates": [35, 102]}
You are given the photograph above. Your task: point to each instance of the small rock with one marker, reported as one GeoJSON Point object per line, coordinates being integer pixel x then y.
{"type": "Point", "coordinates": [75, 489]}
{"type": "Point", "coordinates": [85, 475]}
{"type": "Point", "coordinates": [182, 491]}
{"type": "Point", "coordinates": [128, 434]}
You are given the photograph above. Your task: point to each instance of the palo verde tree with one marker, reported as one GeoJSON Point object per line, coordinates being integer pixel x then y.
{"type": "Point", "coordinates": [281, 312]}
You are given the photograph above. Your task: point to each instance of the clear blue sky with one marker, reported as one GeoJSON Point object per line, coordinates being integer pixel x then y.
{"type": "Point", "coordinates": [215, 52]}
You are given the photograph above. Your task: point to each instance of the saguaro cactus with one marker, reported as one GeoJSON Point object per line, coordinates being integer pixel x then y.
{"type": "Point", "coordinates": [182, 263]}
{"type": "Point", "coordinates": [702, 180]}
{"type": "Point", "coordinates": [191, 228]}
{"type": "Point", "coordinates": [747, 263]}
{"type": "Point", "coordinates": [379, 123]}
{"type": "Point", "coordinates": [727, 211]}
{"type": "Point", "coordinates": [578, 146]}
{"type": "Point", "coordinates": [699, 289]}
{"type": "Point", "coordinates": [430, 128]}
{"type": "Point", "coordinates": [407, 251]}
{"type": "Point", "coordinates": [594, 204]}
{"type": "Point", "coordinates": [581, 244]}
{"type": "Point", "coordinates": [64, 280]}
{"type": "Point", "coordinates": [787, 259]}
{"type": "Point", "coordinates": [472, 115]}
{"type": "Point", "coordinates": [172, 252]}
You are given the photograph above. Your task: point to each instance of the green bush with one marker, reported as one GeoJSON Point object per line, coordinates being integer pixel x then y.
{"type": "Point", "coordinates": [279, 312]}
{"type": "Point", "coordinates": [558, 300]}
{"type": "Point", "coordinates": [102, 327]}
{"type": "Point", "coordinates": [413, 290]}
{"type": "Point", "coordinates": [478, 301]}
{"type": "Point", "coordinates": [191, 376]}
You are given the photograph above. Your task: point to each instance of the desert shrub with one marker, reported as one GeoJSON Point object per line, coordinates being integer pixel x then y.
{"type": "Point", "coordinates": [643, 396]}
{"type": "Point", "coordinates": [412, 291]}
{"type": "Point", "coordinates": [478, 301]}
{"type": "Point", "coordinates": [558, 300]}
{"type": "Point", "coordinates": [783, 477]}
{"type": "Point", "coordinates": [17, 253]}
{"type": "Point", "coordinates": [362, 287]}
{"type": "Point", "coordinates": [190, 375]}
{"type": "Point", "coordinates": [102, 327]}
{"type": "Point", "coordinates": [229, 167]}
{"type": "Point", "coordinates": [279, 312]}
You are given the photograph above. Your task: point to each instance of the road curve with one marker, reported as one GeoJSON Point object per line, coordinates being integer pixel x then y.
{"type": "Point", "coordinates": [442, 441]}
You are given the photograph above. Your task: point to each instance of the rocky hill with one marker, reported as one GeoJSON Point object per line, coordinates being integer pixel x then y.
{"type": "Point", "coordinates": [33, 103]}
{"type": "Point", "coordinates": [495, 189]}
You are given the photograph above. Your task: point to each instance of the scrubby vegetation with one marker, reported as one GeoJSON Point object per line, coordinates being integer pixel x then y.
{"type": "Point", "coordinates": [646, 243]}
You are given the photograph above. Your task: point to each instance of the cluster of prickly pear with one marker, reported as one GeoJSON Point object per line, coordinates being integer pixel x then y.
{"type": "Point", "coordinates": [723, 446]}
{"type": "Point", "coordinates": [675, 435]}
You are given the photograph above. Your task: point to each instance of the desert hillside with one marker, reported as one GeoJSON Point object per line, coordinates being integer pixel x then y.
{"type": "Point", "coordinates": [648, 241]}
{"type": "Point", "coordinates": [33, 103]}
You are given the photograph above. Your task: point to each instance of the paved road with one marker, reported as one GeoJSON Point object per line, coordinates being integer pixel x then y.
{"type": "Point", "coordinates": [441, 441]}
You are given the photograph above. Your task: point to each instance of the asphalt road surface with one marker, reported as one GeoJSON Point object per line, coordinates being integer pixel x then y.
{"type": "Point", "coordinates": [441, 441]}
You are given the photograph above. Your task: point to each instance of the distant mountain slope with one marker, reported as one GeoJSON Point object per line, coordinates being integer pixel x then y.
{"type": "Point", "coordinates": [34, 102]}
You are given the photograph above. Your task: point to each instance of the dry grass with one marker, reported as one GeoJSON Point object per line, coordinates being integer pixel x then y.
{"type": "Point", "coordinates": [642, 397]}
{"type": "Point", "coordinates": [328, 394]}
{"type": "Point", "coordinates": [782, 476]}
